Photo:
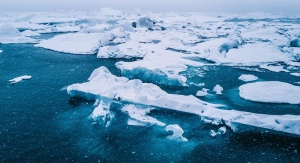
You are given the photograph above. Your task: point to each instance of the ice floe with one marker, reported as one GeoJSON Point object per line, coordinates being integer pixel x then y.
{"type": "Point", "coordinates": [271, 92]}
{"type": "Point", "coordinates": [218, 89]}
{"type": "Point", "coordinates": [177, 133]}
{"type": "Point", "coordinates": [248, 77]}
{"type": "Point", "coordinates": [138, 116]}
{"type": "Point", "coordinates": [10, 34]}
{"type": "Point", "coordinates": [20, 78]}
{"type": "Point", "coordinates": [202, 92]}
{"type": "Point", "coordinates": [104, 86]}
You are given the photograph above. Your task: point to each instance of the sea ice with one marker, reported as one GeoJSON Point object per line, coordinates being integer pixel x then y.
{"type": "Point", "coordinates": [202, 92]}
{"type": "Point", "coordinates": [273, 68]}
{"type": "Point", "coordinates": [271, 92]}
{"type": "Point", "coordinates": [248, 77]}
{"type": "Point", "coordinates": [295, 74]}
{"type": "Point", "coordinates": [159, 68]}
{"type": "Point", "coordinates": [10, 34]}
{"type": "Point", "coordinates": [177, 133]}
{"type": "Point", "coordinates": [76, 43]}
{"type": "Point", "coordinates": [102, 85]}
{"type": "Point", "coordinates": [218, 89]}
{"type": "Point", "coordinates": [18, 79]}
{"type": "Point", "coordinates": [138, 116]}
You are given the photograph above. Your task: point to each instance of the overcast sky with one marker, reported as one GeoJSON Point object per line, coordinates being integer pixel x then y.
{"type": "Point", "coordinates": [234, 6]}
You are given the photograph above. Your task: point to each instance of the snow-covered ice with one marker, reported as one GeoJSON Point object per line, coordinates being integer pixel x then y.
{"type": "Point", "coordinates": [76, 43]}
{"type": "Point", "coordinates": [10, 34]}
{"type": "Point", "coordinates": [271, 92]}
{"type": "Point", "coordinates": [202, 92]}
{"type": "Point", "coordinates": [218, 89]}
{"type": "Point", "coordinates": [103, 85]}
{"type": "Point", "coordinates": [248, 77]}
{"type": "Point", "coordinates": [20, 78]}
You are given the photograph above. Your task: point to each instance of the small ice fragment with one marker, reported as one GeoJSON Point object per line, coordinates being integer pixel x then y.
{"type": "Point", "coordinates": [202, 92]}
{"type": "Point", "coordinates": [222, 130]}
{"type": "Point", "coordinates": [247, 77]}
{"type": "Point", "coordinates": [18, 79]}
{"type": "Point", "coordinates": [212, 133]}
{"type": "Point", "coordinates": [1, 51]}
{"type": "Point", "coordinates": [218, 89]}
{"type": "Point", "coordinates": [177, 133]}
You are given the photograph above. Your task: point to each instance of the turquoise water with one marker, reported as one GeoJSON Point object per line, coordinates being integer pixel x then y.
{"type": "Point", "coordinates": [41, 123]}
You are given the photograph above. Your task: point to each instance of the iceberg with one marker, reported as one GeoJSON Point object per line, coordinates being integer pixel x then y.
{"type": "Point", "coordinates": [271, 92]}
{"type": "Point", "coordinates": [103, 86]}
{"type": "Point", "coordinates": [248, 77]}
{"type": "Point", "coordinates": [20, 78]}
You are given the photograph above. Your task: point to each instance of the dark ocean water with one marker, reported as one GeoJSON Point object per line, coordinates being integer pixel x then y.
{"type": "Point", "coordinates": [41, 123]}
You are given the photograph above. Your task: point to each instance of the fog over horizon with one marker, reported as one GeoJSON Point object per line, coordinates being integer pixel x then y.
{"type": "Point", "coordinates": [216, 6]}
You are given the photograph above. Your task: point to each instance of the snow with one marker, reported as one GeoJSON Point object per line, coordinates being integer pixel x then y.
{"type": "Point", "coordinates": [20, 78]}
{"type": "Point", "coordinates": [105, 88]}
{"type": "Point", "coordinates": [271, 92]}
{"type": "Point", "coordinates": [218, 89]}
{"type": "Point", "coordinates": [177, 133]}
{"type": "Point", "coordinates": [248, 77]}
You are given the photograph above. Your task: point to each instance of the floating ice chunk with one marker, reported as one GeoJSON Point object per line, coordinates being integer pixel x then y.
{"type": "Point", "coordinates": [130, 49]}
{"type": "Point", "coordinates": [248, 77]}
{"type": "Point", "coordinates": [218, 89]}
{"type": "Point", "coordinates": [160, 68]}
{"type": "Point", "coordinates": [102, 113]}
{"type": "Point", "coordinates": [30, 33]}
{"type": "Point", "coordinates": [138, 116]}
{"type": "Point", "coordinates": [271, 92]}
{"type": "Point", "coordinates": [295, 74]}
{"type": "Point", "coordinates": [221, 131]}
{"type": "Point", "coordinates": [256, 53]}
{"type": "Point", "coordinates": [202, 92]}
{"type": "Point", "coordinates": [177, 133]}
{"type": "Point", "coordinates": [77, 43]}
{"type": "Point", "coordinates": [104, 85]}
{"type": "Point", "coordinates": [10, 34]}
{"type": "Point", "coordinates": [18, 79]}
{"type": "Point", "coordinates": [273, 68]}
{"type": "Point", "coordinates": [1, 51]}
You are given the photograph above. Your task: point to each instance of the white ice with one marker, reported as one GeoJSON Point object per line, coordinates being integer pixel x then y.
{"type": "Point", "coordinates": [10, 34]}
{"type": "Point", "coordinates": [177, 133]}
{"type": "Point", "coordinates": [20, 78]}
{"type": "Point", "coordinates": [138, 116]}
{"type": "Point", "coordinates": [218, 89]}
{"type": "Point", "coordinates": [248, 77]}
{"type": "Point", "coordinates": [202, 92]}
{"type": "Point", "coordinates": [271, 92]}
{"type": "Point", "coordinates": [103, 85]}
